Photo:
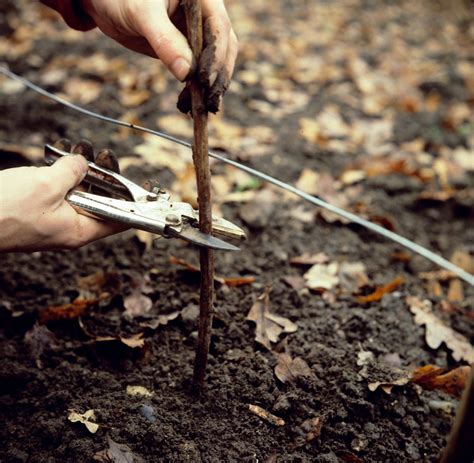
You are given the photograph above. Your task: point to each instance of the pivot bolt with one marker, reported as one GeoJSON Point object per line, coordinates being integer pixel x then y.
{"type": "Point", "coordinates": [172, 219]}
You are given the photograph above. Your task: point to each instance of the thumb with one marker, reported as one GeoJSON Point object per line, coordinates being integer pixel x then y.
{"type": "Point", "coordinates": [68, 171]}
{"type": "Point", "coordinates": [169, 44]}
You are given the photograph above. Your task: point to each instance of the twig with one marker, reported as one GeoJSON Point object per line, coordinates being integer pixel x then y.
{"type": "Point", "coordinates": [192, 10]}
{"type": "Point", "coordinates": [460, 448]}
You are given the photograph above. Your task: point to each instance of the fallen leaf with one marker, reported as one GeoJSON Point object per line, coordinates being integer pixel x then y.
{"type": "Point", "coordinates": [313, 428]}
{"type": "Point", "coordinates": [455, 291]}
{"type": "Point", "coordinates": [437, 332]}
{"type": "Point", "coordinates": [139, 390]}
{"type": "Point", "coordinates": [381, 291]}
{"type": "Point", "coordinates": [161, 320]}
{"type": "Point", "coordinates": [269, 326]}
{"type": "Point", "coordinates": [308, 182]}
{"type": "Point", "coordinates": [133, 341]}
{"type": "Point", "coordinates": [352, 275]}
{"type": "Point", "coordinates": [84, 418]}
{"type": "Point", "coordinates": [132, 98]}
{"type": "Point", "coordinates": [99, 285]}
{"type": "Point", "coordinates": [397, 377]}
{"type": "Point", "coordinates": [463, 259]}
{"type": "Point", "coordinates": [294, 281]}
{"type": "Point", "coordinates": [310, 259]}
{"type": "Point", "coordinates": [322, 276]}
{"type": "Point", "coordinates": [82, 90]}
{"type": "Point", "coordinates": [146, 238]}
{"type": "Point", "coordinates": [137, 303]}
{"type": "Point", "coordinates": [267, 416]}
{"type": "Point", "coordinates": [288, 369]}
{"type": "Point", "coordinates": [432, 377]}
{"type": "Point", "coordinates": [117, 453]}
{"type": "Point", "coordinates": [66, 311]}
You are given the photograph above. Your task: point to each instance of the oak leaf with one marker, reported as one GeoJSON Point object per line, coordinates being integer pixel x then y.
{"type": "Point", "coordinates": [437, 332]}
{"type": "Point", "coordinates": [269, 326]}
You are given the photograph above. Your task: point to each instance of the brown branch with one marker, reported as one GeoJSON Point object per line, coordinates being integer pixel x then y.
{"type": "Point", "coordinates": [192, 9]}
{"type": "Point", "coordinates": [460, 447]}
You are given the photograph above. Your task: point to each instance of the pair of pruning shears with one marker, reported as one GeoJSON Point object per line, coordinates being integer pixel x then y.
{"type": "Point", "coordinates": [152, 211]}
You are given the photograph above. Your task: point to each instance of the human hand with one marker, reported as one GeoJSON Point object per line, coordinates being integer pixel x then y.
{"type": "Point", "coordinates": [35, 216]}
{"type": "Point", "coordinates": [155, 28]}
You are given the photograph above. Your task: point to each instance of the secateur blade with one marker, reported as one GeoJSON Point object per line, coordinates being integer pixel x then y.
{"type": "Point", "coordinates": [197, 237]}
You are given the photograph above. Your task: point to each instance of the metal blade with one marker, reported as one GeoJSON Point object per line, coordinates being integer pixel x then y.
{"type": "Point", "coordinates": [195, 236]}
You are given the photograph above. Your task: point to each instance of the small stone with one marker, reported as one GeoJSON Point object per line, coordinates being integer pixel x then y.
{"type": "Point", "coordinates": [148, 412]}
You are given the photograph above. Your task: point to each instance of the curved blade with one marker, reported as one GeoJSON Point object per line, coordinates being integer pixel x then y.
{"type": "Point", "coordinates": [195, 236]}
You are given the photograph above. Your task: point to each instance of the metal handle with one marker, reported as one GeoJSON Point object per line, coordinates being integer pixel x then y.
{"type": "Point", "coordinates": [103, 178]}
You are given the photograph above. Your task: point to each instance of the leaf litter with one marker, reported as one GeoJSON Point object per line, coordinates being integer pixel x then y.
{"type": "Point", "coordinates": [437, 332]}
{"type": "Point", "coordinates": [269, 326]}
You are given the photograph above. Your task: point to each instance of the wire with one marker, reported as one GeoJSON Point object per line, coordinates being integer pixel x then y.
{"type": "Point", "coordinates": [412, 246]}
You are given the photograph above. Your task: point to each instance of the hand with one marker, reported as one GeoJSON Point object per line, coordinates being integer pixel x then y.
{"type": "Point", "coordinates": [153, 27]}
{"type": "Point", "coordinates": [35, 216]}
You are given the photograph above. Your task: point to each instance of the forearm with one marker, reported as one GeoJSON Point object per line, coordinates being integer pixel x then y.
{"type": "Point", "coordinates": [73, 13]}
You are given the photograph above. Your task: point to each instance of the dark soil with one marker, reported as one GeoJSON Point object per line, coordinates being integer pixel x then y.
{"type": "Point", "coordinates": [40, 382]}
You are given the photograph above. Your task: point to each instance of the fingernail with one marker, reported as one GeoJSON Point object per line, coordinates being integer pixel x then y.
{"type": "Point", "coordinates": [213, 78]}
{"type": "Point", "coordinates": [180, 68]}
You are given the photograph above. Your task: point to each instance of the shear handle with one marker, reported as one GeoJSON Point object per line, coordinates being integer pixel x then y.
{"type": "Point", "coordinates": [103, 178]}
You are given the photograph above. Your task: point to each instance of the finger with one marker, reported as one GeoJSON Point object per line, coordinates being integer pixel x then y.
{"type": "Point", "coordinates": [85, 148]}
{"type": "Point", "coordinates": [216, 41]}
{"type": "Point", "coordinates": [88, 229]}
{"type": "Point", "coordinates": [106, 158]}
{"type": "Point", "coordinates": [67, 172]}
{"type": "Point", "coordinates": [63, 144]}
{"type": "Point", "coordinates": [168, 43]}
{"type": "Point", "coordinates": [232, 52]}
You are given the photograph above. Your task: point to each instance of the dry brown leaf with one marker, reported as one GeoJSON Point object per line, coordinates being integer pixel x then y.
{"type": "Point", "coordinates": [146, 238]}
{"type": "Point", "coordinates": [84, 418]}
{"type": "Point", "coordinates": [463, 259]}
{"type": "Point", "coordinates": [455, 291]}
{"type": "Point", "coordinates": [132, 98]}
{"type": "Point", "coordinates": [310, 259]}
{"type": "Point", "coordinates": [437, 332]}
{"type": "Point", "coordinates": [352, 275]}
{"type": "Point", "coordinates": [397, 378]}
{"type": "Point", "coordinates": [138, 303]}
{"type": "Point", "coordinates": [138, 391]}
{"type": "Point", "coordinates": [133, 341]}
{"type": "Point", "coordinates": [161, 320]}
{"type": "Point", "coordinates": [82, 90]}
{"type": "Point", "coordinates": [269, 326]}
{"type": "Point", "coordinates": [308, 182]}
{"type": "Point", "coordinates": [381, 291]}
{"type": "Point", "coordinates": [322, 276]}
{"type": "Point", "coordinates": [313, 428]}
{"type": "Point", "coordinates": [267, 416]}
{"type": "Point", "coordinates": [294, 281]}
{"type": "Point", "coordinates": [99, 285]}
{"type": "Point", "coordinates": [117, 453]}
{"type": "Point", "coordinates": [432, 377]}
{"type": "Point", "coordinates": [67, 311]}
{"type": "Point", "coordinates": [288, 369]}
